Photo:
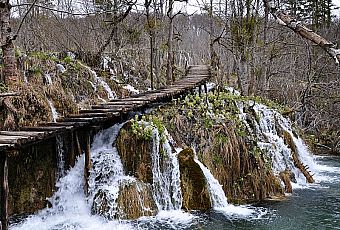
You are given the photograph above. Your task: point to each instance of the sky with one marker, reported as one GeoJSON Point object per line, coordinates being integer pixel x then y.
{"type": "Point", "coordinates": [337, 3]}
{"type": "Point", "coordinates": [190, 7]}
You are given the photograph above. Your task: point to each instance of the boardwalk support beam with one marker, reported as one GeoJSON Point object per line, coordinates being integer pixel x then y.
{"type": "Point", "coordinates": [4, 190]}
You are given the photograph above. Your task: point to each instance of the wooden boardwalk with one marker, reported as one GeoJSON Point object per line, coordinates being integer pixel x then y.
{"type": "Point", "coordinates": [110, 112]}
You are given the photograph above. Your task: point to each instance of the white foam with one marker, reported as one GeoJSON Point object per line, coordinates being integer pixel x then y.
{"type": "Point", "coordinates": [131, 89]}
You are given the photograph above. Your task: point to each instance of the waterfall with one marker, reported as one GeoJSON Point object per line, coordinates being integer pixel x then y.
{"type": "Point", "coordinates": [268, 127]}
{"type": "Point", "coordinates": [70, 208]}
{"type": "Point", "coordinates": [215, 189]}
{"type": "Point", "coordinates": [218, 198]}
{"type": "Point", "coordinates": [48, 79]}
{"type": "Point", "coordinates": [100, 81]}
{"type": "Point", "coordinates": [166, 177]}
{"type": "Point", "coordinates": [60, 68]}
{"type": "Point", "coordinates": [55, 114]}
{"type": "Point", "coordinates": [107, 173]}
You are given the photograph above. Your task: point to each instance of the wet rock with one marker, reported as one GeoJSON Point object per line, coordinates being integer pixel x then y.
{"type": "Point", "coordinates": [136, 200]}
{"type": "Point", "coordinates": [135, 154]}
{"type": "Point", "coordinates": [132, 200]}
{"type": "Point", "coordinates": [193, 184]}
{"type": "Point", "coordinates": [286, 176]}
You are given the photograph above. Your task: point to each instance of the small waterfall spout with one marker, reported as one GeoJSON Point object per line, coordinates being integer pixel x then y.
{"type": "Point", "coordinates": [218, 198]}
{"type": "Point", "coordinates": [216, 192]}
{"type": "Point", "coordinates": [100, 81]}
{"type": "Point", "coordinates": [55, 114]}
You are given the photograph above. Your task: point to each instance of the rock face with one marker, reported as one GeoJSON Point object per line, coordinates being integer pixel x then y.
{"type": "Point", "coordinates": [286, 177]}
{"type": "Point", "coordinates": [136, 200]}
{"type": "Point", "coordinates": [243, 172]}
{"type": "Point", "coordinates": [193, 184]}
{"type": "Point", "coordinates": [133, 200]}
{"type": "Point", "coordinates": [135, 154]}
{"type": "Point", "coordinates": [233, 159]}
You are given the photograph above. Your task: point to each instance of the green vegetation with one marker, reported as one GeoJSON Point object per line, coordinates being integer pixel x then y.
{"type": "Point", "coordinates": [144, 127]}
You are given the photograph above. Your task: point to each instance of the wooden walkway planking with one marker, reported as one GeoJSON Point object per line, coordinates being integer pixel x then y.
{"type": "Point", "coordinates": [114, 109]}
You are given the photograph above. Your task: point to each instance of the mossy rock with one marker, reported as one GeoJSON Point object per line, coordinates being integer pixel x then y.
{"type": "Point", "coordinates": [135, 154]}
{"type": "Point", "coordinates": [193, 183]}
{"type": "Point", "coordinates": [134, 200]}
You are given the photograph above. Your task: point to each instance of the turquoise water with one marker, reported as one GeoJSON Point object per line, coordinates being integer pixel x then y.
{"type": "Point", "coordinates": [316, 207]}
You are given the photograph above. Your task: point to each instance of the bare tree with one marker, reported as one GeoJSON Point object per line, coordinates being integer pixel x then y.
{"type": "Point", "coordinates": [6, 42]}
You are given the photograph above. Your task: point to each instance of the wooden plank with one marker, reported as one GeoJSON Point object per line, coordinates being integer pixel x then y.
{"type": "Point", "coordinates": [14, 139]}
{"type": "Point", "coordinates": [86, 115]}
{"type": "Point", "coordinates": [130, 99]}
{"type": "Point", "coordinates": [82, 119]}
{"type": "Point", "coordinates": [119, 108]}
{"type": "Point", "coordinates": [48, 129]}
{"type": "Point", "coordinates": [130, 102]}
{"type": "Point", "coordinates": [24, 133]}
{"type": "Point", "coordinates": [90, 115]}
{"type": "Point", "coordinates": [113, 111]}
{"type": "Point", "coordinates": [64, 124]}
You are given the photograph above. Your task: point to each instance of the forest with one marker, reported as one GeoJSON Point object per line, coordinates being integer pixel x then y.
{"type": "Point", "coordinates": [152, 42]}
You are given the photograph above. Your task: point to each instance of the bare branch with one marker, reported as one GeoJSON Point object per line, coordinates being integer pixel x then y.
{"type": "Point", "coordinates": [284, 19]}
{"type": "Point", "coordinates": [63, 11]}
{"type": "Point", "coordinates": [23, 19]}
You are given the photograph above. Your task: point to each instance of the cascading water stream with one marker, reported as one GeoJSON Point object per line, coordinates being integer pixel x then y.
{"type": "Point", "coordinates": [55, 114]}
{"type": "Point", "coordinates": [166, 177]}
{"type": "Point", "coordinates": [99, 80]}
{"type": "Point", "coordinates": [70, 208]}
{"type": "Point", "coordinates": [218, 198]}
{"type": "Point", "coordinates": [48, 79]}
{"type": "Point", "coordinates": [267, 128]}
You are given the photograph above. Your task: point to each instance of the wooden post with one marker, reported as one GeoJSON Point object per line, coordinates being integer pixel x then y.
{"type": "Point", "coordinates": [72, 153]}
{"type": "Point", "coordinates": [78, 144]}
{"type": "Point", "coordinates": [206, 92]}
{"type": "Point", "coordinates": [4, 191]}
{"type": "Point", "coordinates": [87, 163]}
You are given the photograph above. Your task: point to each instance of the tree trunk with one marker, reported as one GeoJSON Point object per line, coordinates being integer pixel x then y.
{"type": "Point", "coordinates": [300, 29]}
{"type": "Point", "coordinates": [170, 61]}
{"type": "Point", "coordinates": [152, 42]}
{"type": "Point", "coordinates": [6, 41]}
